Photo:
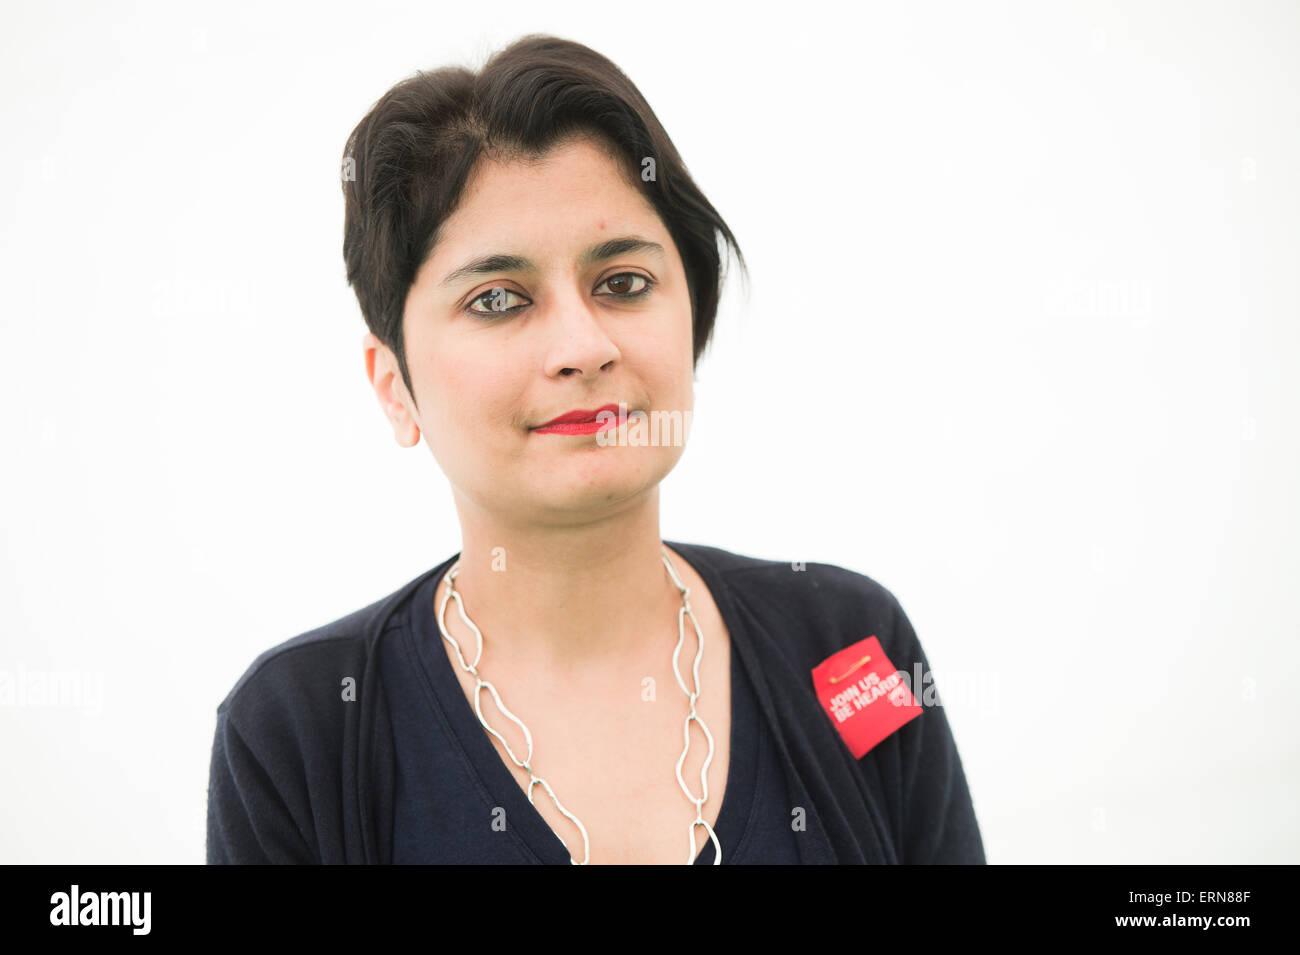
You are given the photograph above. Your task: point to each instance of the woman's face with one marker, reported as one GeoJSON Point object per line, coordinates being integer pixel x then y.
{"type": "Point", "coordinates": [497, 351]}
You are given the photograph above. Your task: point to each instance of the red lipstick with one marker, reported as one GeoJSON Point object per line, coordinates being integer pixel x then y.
{"type": "Point", "coordinates": [582, 421]}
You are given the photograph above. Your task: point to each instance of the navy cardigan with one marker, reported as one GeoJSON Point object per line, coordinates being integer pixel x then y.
{"type": "Point", "coordinates": [299, 777]}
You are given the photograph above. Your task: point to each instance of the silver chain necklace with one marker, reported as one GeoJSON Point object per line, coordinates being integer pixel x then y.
{"type": "Point", "coordinates": [526, 763]}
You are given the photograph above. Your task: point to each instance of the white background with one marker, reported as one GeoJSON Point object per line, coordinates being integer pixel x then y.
{"type": "Point", "coordinates": [1020, 344]}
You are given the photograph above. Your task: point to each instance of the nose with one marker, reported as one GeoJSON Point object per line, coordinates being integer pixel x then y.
{"type": "Point", "coordinates": [578, 343]}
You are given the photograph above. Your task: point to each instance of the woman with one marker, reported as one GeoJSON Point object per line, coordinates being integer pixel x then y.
{"type": "Point", "coordinates": [539, 275]}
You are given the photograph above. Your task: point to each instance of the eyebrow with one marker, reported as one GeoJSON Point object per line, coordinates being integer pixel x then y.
{"type": "Point", "coordinates": [487, 264]}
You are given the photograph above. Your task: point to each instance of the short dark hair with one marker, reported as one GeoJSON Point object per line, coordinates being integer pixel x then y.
{"type": "Point", "coordinates": [407, 162]}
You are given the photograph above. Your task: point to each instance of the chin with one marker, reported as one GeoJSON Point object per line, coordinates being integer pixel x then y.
{"type": "Point", "coordinates": [587, 484]}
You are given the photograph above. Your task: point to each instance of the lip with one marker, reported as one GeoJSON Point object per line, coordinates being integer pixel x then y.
{"type": "Point", "coordinates": [580, 421]}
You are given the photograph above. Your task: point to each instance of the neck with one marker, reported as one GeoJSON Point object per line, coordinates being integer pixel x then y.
{"type": "Point", "coordinates": [567, 594]}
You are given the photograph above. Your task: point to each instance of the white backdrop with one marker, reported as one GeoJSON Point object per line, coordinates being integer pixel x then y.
{"type": "Point", "coordinates": [1020, 344]}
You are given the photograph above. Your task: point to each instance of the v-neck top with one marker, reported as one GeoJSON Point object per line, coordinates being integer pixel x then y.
{"type": "Point", "coordinates": [456, 800]}
{"type": "Point", "coordinates": [353, 742]}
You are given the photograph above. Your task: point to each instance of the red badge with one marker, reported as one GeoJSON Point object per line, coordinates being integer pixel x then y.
{"type": "Point", "coordinates": [862, 693]}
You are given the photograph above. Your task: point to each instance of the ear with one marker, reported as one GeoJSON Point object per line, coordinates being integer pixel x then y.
{"type": "Point", "coordinates": [386, 379]}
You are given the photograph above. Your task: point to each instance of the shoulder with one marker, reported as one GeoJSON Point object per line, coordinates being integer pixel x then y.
{"type": "Point", "coordinates": [819, 608]}
{"type": "Point", "coordinates": [305, 673]}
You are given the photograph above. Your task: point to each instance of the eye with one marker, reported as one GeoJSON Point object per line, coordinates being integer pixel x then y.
{"type": "Point", "coordinates": [496, 302]}
{"type": "Point", "coordinates": [625, 279]}
{"type": "Point", "coordinates": [497, 298]}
